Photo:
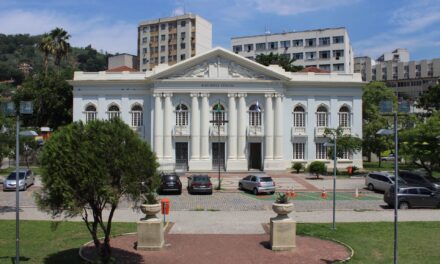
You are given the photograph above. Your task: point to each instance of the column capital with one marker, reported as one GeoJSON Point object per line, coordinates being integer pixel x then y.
{"type": "Point", "coordinates": [157, 95]}
{"type": "Point", "coordinates": [167, 94]}
{"type": "Point", "coordinates": [233, 95]}
{"type": "Point", "coordinates": [242, 95]}
{"type": "Point", "coordinates": [194, 94]}
{"type": "Point", "coordinates": [204, 95]}
{"type": "Point", "coordinates": [267, 95]}
{"type": "Point", "coordinates": [279, 95]}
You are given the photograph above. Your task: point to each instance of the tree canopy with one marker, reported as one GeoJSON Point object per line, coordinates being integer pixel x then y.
{"type": "Point", "coordinates": [278, 59]}
{"type": "Point", "coordinates": [344, 142]}
{"type": "Point", "coordinates": [87, 169]}
{"type": "Point", "coordinates": [430, 99]}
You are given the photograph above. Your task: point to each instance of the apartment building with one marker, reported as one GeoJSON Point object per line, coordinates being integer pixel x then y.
{"type": "Point", "coordinates": [328, 49]}
{"type": "Point", "coordinates": [409, 77]}
{"type": "Point", "coordinates": [172, 39]}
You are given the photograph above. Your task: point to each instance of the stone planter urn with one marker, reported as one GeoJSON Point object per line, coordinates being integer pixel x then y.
{"type": "Point", "coordinates": [150, 211]}
{"type": "Point", "coordinates": [282, 210]}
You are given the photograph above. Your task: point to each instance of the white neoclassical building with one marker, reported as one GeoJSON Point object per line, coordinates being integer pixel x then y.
{"type": "Point", "coordinates": [273, 117]}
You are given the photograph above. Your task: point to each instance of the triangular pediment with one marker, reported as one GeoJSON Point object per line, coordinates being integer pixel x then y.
{"type": "Point", "coordinates": [219, 64]}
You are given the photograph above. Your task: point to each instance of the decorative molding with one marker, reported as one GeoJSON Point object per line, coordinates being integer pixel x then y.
{"type": "Point", "coordinates": [267, 95]}
{"type": "Point", "coordinates": [242, 95]}
{"type": "Point", "coordinates": [194, 94]}
{"type": "Point", "coordinates": [167, 94]}
{"type": "Point", "coordinates": [204, 95]}
{"type": "Point", "coordinates": [232, 95]}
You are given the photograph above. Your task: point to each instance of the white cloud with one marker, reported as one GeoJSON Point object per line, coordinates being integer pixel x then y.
{"type": "Point", "coordinates": [178, 11]}
{"type": "Point", "coordinates": [102, 34]}
{"type": "Point", "coordinates": [294, 7]}
{"type": "Point", "coordinates": [416, 16]}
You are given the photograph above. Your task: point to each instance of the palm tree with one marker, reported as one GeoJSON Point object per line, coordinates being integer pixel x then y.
{"type": "Point", "coordinates": [60, 45]}
{"type": "Point", "coordinates": [46, 46]}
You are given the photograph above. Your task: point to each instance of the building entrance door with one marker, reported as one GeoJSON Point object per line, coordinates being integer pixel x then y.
{"type": "Point", "coordinates": [182, 156]}
{"type": "Point", "coordinates": [255, 156]}
{"type": "Point", "coordinates": [218, 155]}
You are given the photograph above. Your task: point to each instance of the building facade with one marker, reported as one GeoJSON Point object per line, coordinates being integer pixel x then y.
{"type": "Point", "coordinates": [328, 49]}
{"type": "Point", "coordinates": [123, 60]}
{"type": "Point", "coordinates": [172, 39]}
{"type": "Point", "coordinates": [409, 77]}
{"type": "Point", "coordinates": [273, 117]}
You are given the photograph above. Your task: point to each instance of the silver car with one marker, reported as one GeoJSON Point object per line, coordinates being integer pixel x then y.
{"type": "Point", "coordinates": [257, 184]}
{"type": "Point", "coordinates": [26, 178]}
{"type": "Point", "coordinates": [380, 181]}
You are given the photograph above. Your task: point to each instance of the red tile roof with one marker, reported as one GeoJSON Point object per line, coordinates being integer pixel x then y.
{"type": "Point", "coordinates": [314, 69]}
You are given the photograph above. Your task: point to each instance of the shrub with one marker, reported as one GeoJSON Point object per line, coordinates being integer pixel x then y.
{"type": "Point", "coordinates": [282, 198]}
{"type": "Point", "coordinates": [317, 167]}
{"type": "Point", "coordinates": [297, 166]}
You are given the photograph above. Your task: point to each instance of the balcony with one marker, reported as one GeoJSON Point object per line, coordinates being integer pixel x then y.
{"type": "Point", "coordinates": [139, 130]}
{"type": "Point", "coordinates": [319, 131]}
{"type": "Point", "coordinates": [214, 130]}
{"type": "Point", "coordinates": [181, 131]}
{"type": "Point", "coordinates": [255, 131]}
{"type": "Point", "coordinates": [299, 132]}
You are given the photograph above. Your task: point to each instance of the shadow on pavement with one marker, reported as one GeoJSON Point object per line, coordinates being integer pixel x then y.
{"type": "Point", "coordinates": [8, 209]}
{"type": "Point", "coordinates": [66, 257]}
{"type": "Point", "coordinates": [22, 259]}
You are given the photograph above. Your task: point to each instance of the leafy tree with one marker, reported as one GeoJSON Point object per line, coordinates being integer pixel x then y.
{"type": "Point", "coordinates": [373, 120]}
{"type": "Point", "coordinates": [344, 143]}
{"type": "Point", "coordinates": [278, 59]}
{"type": "Point", "coordinates": [87, 169]}
{"type": "Point", "coordinates": [430, 99]}
{"type": "Point", "coordinates": [317, 168]}
{"type": "Point", "coordinates": [52, 98]}
{"type": "Point", "coordinates": [297, 166]}
{"type": "Point", "coordinates": [421, 144]}
{"type": "Point", "coordinates": [6, 136]}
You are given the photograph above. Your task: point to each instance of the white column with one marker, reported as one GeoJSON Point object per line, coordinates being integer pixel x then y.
{"type": "Point", "coordinates": [232, 128]}
{"type": "Point", "coordinates": [268, 127]}
{"type": "Point", "coordinates": [241, 150]}
{"type": "Point", "coordinates": [278, 126]}
{"type": "Point", "coordinates": [158, 126]}
{"type": "Point", "coordinates": [167, 126]}
{"type": "Point", "coordinates": [204, 130]}
{"type": "Point", "coordinates": [195, 127]}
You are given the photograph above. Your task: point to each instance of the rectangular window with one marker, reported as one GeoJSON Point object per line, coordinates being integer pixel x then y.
{"type": "Point", "coordinates": [90, 116]}
{"type": "Point", "coordinates": [285, 55]}
{"type": "Point", "coordinates": [144, 39]}
{"type": "Point", "coordinates": [248, 47]}
{"type": "Point", "coordinates": [297, 42]}
{"type": "Point", "coordinates": [338, 67]}
{"type": "Point", "coordinates": [162, 37]}
{"type": "Point", "coordinates": [338, 39]}
{"type": "Point", "coordinates": [254, 118]}
{"type": "Point", "coordinates": [337, 54]}
{"type": "Point", "coordinates": [321, 151]}
{"type": "Point", "coordinates": [344, 119]}
{"type": "Point", "coordinates": [298, 56]}
{"type": "Point", "coordinates": [299, 119]}
{"type": "Point", "coordinates": [273, 45]}
{"type": "Point", "coordinates": [311, 55]}
{"type": "Point", "coordinates": [260, 46]}
{"type": "Point", "coordinates": [162, 48]}
{"type": "Point", "coordinates": [325, 67]}
{"type": "Point", "coordinates": [321, 119]}
{"type": "Point", "coordinates": [182, 118]}
{"type": "Point", "coordinates": [299, 151]}
{"type": "Point", "coordinates": [144, 50]}
{"type": "Point", "coordinates": [182, 23]}
{"type": "Point", "coordinates": [113, 114]}
{"type": "Point", "coordinates": [182, 35]}
{"type": "Point", "coordinates": [237, 48]}
{"type": "Point", "coordinates": [324, 54]}
{"type": "Point", "coordinates": [324, 41]}
{"type": "Point", "coordinates": [182, 46]}
{"type": "Point", "coordinates": [347, 155]}
{"type": "Point", "coordinates": [182, 57]}
{"type": "Point", "coordinates": [144, 61]}
{"type": "Point", "coordinates": [136, 118]}
{"type": "Point", "coordinates": [285, 44]}
{"type": "Point", "coordinates": [163, 26]}
{"type": "Point", "coordinates": [145, 29]}
{"type": "Point", "coordinates": [311, 42]}
{"type": "Point", "coordinates": [162, 59]}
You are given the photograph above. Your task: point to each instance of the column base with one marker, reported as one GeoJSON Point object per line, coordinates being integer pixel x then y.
{"type": "Point", "coordinates": [150, 235]}
{"type": "Point", "coordinates": [200, 165]}
{"type": "Point", "coordinates": [274, 165]}
{"type": "Point", "coordinates": [282, 234]}
{"type": "Point", "coordinates": [236, 165]}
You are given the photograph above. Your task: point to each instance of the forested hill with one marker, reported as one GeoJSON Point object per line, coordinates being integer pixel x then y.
{"type": "Point", "coordinates": [22, 48]}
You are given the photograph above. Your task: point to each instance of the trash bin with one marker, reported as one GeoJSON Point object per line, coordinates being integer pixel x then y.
{"type": "Point", "coordinates": [165, 205]}
{"type": "Point", "coordinates": [350, 170]}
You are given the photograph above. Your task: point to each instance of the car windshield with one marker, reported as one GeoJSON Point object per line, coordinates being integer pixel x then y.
{"type": "Point", "coordinates": [400, 180]}
{"type": "Point", "coordinates": [169, 178]}
{"type": "Point", "coordinates": [13, 177]}
{"type": "Point", "coordinates": [265, 179]}
{"type": "Point", "coordinates": [201, 179]}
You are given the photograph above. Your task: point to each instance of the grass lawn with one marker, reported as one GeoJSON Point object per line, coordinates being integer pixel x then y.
{"type": "Point", "coordinates": [372, 242]}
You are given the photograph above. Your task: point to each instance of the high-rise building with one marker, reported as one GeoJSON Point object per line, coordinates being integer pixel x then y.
{"type": "Point", "coordinates": [172, 39]}
{"type": "Point", "coordinates": [396, 70]}
{"type": "Point", "coordinates": [328, 49]}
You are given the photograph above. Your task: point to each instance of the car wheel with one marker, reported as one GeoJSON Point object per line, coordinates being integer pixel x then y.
{"type": "Point", "coordinates": [271, 193]}
{"type": "Point", "coordinates": [404, 205]}
{"type": "Point", "coordinates": [255, 191]}
{"type": "Point", "coordinates": [240, 186]}
{"type": "Point", "coordinates": [24, 187]}
{"type": "Point", "coordinates": [371, 187]}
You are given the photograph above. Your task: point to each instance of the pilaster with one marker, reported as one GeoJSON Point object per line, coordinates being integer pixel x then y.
{"type": "Point", "coordinates": [158, 126]}
{"type": "Point", "coordinates": [167, 145]}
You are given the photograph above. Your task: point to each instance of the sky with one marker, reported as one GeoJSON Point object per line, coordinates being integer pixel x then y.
{"type": "Point", "coordinates": [374, 26]}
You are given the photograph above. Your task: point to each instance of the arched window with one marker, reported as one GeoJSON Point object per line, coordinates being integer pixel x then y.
{"type": "Point", "coordinates": [321, 116]}
{"type": "Point", "coordinates": [113, 111]}
{"type": "Point", "coordinates": [254, 115]}
{"type": "Point", "coordinates": [299, 117]}
{"type": "Point", "coordinates": [218, 114]}
{"type": "Point", "coordinates": [182, 115]}
{"type": "Point", "coordinates": [137, 116]}
{"type": "Point", "coordinates": [344, 117]}
{"type": "Point", "coordinates": [90, 113]}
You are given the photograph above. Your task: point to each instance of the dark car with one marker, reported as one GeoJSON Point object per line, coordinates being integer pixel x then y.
{"type": "Point", "coordinates": [25, 178]}
{"type": "Point", "coordinates": [412, 197]}
{"type": "Point", "coordinates": [199, 184]}
{"type": "Point", "coordinates": [170, 182]}
{"type": "Point", "coordinates": [419, 179]}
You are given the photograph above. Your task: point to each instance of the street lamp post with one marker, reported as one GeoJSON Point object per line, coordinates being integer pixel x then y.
{"type": "Point", "coordinates": [218, 122]}
{"type": "Point", "coordinates": [334, 178]}
{"type": "Point", "coordinates": [25, 108]}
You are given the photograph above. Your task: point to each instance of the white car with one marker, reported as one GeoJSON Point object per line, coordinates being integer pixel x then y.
{"type": "Point", "coordinates": [26, 179]}
{"type": "Point", "coordinates": [380, 181]}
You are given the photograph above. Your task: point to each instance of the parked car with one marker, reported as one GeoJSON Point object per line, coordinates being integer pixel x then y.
{"type": "Point", "coordinates": [199, 184]}
{"type": "Point", "coordinates": [170, 182]}
{"type": "Point", "coordinates": [26, 179]}
{"type": "Point", "coordinates": [380, 181]}
{"type": "Point", "coordinates": [419, 179]}
{"type": "Point", "coordinates": [390, 157]}
{"type": "Point", "coordinates": [257, 184]}
{"type": "Point", "coordinates": [412, 197]}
